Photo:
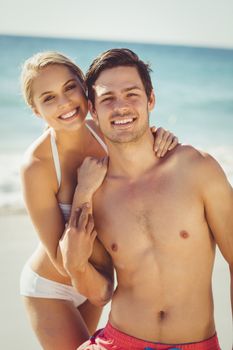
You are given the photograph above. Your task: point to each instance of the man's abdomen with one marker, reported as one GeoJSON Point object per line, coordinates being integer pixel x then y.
{"type": "Point", "coordinates": [173, 310]}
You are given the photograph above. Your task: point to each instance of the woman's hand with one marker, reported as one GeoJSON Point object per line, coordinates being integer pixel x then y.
{"type": "Point", "coordinates": [78, 239]}
{"type": "Point", "coordinates": [91, 174]}
{"type": "Point", "coordinates": [164, 141]}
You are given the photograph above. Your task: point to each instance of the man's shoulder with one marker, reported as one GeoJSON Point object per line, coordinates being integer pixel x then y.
{"type": "Point", "coordinates": [196, 160]}
{"type": "Point", "coordinates": [190, 153]}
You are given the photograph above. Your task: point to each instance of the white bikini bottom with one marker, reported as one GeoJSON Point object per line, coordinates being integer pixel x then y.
{"type": "Point", "coordinates": [33, 285]}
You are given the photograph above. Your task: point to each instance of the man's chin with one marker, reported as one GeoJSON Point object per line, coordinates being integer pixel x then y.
{"type": "Point", "coordinates": [122, 139]}
{"type": "Point", "coordinates": [126, 137]}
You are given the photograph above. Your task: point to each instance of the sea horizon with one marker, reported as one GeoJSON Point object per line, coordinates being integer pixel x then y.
{"type": "Point", "coordinates": [102, 40]}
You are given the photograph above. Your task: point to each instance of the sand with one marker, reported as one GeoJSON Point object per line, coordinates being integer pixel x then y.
{"type": "Point", "coordinates": [18, 241]}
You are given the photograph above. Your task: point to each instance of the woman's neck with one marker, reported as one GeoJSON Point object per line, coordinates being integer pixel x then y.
{"type": "Point", "coordinates": [74, 139]}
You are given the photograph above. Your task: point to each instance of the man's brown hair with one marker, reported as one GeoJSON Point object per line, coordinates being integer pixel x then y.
{"type": "Point", "coordinates": [115, 58]}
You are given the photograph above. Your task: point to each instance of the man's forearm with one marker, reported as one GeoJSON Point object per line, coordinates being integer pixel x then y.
{"type": "Point", "coordinates": [88, 280]}
{"type": "Point", "coordinates": [80, 197]}
{"type": "Point", "coordinates": [94, 285]}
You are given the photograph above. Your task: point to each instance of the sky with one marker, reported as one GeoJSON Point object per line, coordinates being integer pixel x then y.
{"type": "Point", "coordinates": [186, 22]}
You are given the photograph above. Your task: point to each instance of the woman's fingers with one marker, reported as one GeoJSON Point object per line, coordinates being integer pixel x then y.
{"type": "Point", "coordinates": [174, 143]}
{"type": "Point", "coordinates": [93, 235]}
{"type": "Point", "coordinates": [158, 134]}
{"type": "Point", "coordinates": [167, 144]}
{"type": "Point", "coordinates": [74, 219]}
{"type": "Point", "coordinates": [163, 142]}
{"type": "Point", "coordinates": [90, 224]}
{"type": "Point", "coordinates": [83, 218]}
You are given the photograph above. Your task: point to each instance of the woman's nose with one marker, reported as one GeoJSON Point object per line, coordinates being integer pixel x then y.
{"type": "Point", "coordinates": [63, 100]}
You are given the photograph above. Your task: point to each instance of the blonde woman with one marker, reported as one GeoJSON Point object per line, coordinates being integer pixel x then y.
{"type": "Point", "coordinates": [54, 87]}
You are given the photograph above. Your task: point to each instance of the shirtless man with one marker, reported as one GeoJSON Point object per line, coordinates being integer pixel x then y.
{"type": "Point", "coordinates": [158, 219]}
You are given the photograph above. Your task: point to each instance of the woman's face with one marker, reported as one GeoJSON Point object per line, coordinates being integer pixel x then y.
{"type": "Point", "coordinates": [59, 98]}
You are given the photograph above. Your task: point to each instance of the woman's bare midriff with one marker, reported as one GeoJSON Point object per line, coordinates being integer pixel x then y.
{"type": "Point", "coordinates": [42, 265]}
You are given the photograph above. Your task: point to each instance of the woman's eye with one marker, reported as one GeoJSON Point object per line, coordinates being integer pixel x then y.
{"type": "Point", "coordinates": [70, 87]}
{"type": "Point", "coordinates": [48, 98]}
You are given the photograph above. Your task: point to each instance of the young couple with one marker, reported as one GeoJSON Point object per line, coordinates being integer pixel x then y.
{"type": "Point", "coordinates": [156, 219]}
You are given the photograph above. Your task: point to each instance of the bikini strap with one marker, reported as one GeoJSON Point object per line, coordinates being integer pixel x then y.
{"type": "Point", "coordinates": [98, 138]}
{"type": "Point", "coordinates": [55, 156]}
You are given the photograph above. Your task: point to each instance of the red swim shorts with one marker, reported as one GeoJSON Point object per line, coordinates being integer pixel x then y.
{"type": "Point", "coordinates": [111, 338]}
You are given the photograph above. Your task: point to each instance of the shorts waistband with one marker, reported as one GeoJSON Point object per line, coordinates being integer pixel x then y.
{"type": "Point", "coordinates": [128, 342]}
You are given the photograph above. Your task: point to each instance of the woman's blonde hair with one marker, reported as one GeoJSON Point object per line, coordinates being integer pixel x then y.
{"type": "Point", "coordinates": [37, 62]}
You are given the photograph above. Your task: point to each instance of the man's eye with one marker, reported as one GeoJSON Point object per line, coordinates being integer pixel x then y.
{"type": "Point", "coordinates": [107, 99]}
{"type": "Point", "coordinates": [131, 94]}
{"type": "Point", "coordinates": [48, 98]}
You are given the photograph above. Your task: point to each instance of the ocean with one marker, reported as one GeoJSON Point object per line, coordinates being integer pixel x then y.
{"type": "Point", "coordinates": [194, 94]}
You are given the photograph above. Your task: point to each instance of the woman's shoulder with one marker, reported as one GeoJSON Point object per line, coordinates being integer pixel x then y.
{"type": "Point", "coordinates": [37, 155]}
{"type": "Point", "coordinates": [94, 127]}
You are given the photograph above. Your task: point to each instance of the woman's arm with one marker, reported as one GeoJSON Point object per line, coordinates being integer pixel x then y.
{"type": "Point", "coordinates": [40, 198]}
{"type": "Point", "coordinates": [90, 176]}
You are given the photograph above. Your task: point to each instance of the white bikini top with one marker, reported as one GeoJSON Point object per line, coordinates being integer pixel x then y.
{"type": "Point", "coordinates": [66, 208]}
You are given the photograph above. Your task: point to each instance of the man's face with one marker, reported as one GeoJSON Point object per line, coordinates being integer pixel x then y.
{"type": "Point", "coordinates": [121, 104]}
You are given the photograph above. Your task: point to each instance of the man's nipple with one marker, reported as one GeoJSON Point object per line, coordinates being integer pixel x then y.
{"type": "Point", "coordinates": [184, 234]}
{"type": "Point", "coordinates": [114, 247]}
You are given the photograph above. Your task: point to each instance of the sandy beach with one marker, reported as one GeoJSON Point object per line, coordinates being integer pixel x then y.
{"type": "Point", "coordinates": [18, 242]}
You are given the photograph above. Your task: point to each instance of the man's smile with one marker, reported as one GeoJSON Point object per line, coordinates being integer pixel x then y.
{"type": "Point", "coordinates": [123, 122]}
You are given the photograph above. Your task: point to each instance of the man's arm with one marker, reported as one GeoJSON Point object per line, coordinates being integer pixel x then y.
{"type": "Point", "coordinates": [218, 201]}
{"type": "Point", "coordinates": [86, 261]}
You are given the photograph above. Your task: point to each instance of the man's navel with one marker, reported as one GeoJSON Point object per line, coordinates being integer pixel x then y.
{"type": "Point", "coordinates": [162, 315]}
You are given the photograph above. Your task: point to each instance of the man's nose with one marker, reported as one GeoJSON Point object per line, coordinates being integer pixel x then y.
{"type": "Point", "coordinates": [120, 107]}
{"type": "Point", "coordinates": [120, 103]}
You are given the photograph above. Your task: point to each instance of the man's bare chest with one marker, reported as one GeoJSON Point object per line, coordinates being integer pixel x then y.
{"type": "Point", "coordinates": [145, 215]}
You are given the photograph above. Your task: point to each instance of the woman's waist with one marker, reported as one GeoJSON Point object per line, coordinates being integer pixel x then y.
{"type": "Point", "coordinates": [40, 263]}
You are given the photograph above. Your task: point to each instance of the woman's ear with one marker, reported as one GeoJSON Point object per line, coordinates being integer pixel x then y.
{"type": "Point", "coordinates": [35, 111]}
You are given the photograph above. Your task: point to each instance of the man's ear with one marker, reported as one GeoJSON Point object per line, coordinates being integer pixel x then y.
{"type": "Point", "coordinates": [92, 111]}
{"type": "Point", "coordinates": [151, 101]}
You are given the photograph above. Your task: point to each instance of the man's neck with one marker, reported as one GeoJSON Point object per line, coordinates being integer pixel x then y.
{"type": "Point", "coordinates": [132, 159]}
